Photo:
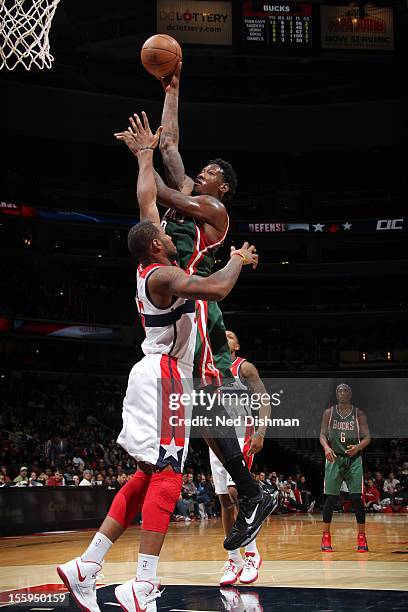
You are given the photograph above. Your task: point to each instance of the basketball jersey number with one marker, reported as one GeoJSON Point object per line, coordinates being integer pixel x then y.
{"type": "Point", "coordinates": [342, 437]}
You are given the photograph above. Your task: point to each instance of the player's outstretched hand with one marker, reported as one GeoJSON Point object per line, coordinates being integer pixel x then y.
{"type": "Point", "coordinates": [248, 254]}
{"type": "Point", "coordinates": [139, 136]}
{"type": "Point", "coordinates": [171, 83]}
{"type": "Point", "coordinates": [330, 455]}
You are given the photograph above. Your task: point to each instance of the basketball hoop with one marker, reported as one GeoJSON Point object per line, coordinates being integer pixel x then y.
{"type": "Point", "coordinates": [24, 30]}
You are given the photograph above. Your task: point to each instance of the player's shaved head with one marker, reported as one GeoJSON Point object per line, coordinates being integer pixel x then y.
{"type": "Point", "coordinates": [140, 238]}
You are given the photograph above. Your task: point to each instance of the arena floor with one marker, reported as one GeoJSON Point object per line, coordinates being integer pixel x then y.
{"type": "Point", "coordinates": [294, 571]}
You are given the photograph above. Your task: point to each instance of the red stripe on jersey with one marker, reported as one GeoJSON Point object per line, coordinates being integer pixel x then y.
{"type": "Point", "coordinates": [171, 383]}
{"type": "Point", "coordinates": [147, 269]}
{"type": "Point", "coordinates": [235, 366]}
{"type": "Point", "coordinates": [202, 245]}
{"type": "Point", "coordinates": [209, 373]}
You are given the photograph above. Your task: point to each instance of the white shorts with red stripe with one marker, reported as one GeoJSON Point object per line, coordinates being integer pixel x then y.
{"type": "Point", "coordinates": [222, 480]}
{"type": "Point", "coordinates": [153, 421]}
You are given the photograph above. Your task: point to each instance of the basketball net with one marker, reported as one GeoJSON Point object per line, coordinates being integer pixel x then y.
{"type": "Point", "coordinates": [24, 30]}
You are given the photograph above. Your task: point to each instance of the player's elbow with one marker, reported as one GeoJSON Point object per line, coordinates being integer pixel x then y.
{"type": "Point", "coordinates": [167, 144]}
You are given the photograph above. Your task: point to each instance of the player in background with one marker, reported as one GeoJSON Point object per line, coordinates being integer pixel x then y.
{"type": "Point", "coordinates": [343, 434]}
{"type": "Point", "coordinates": [255, 503]}
{"type": "Point", "coordinates": [246, 383]}
{"type": "Point", "coordinates": [166, 302]}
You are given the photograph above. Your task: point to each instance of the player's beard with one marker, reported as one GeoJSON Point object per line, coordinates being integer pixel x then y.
{"type": "Point", "coordinates": [171, 253]}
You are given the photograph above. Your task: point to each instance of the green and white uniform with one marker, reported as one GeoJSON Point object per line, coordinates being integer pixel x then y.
{"type": "Point", "coordinates": [196, 255]}
{"type": "Point", "coordinates": [343, 431]}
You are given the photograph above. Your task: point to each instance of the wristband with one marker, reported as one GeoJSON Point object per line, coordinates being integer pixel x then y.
{"type": "Point", "coordinates": [147, 149]}
{"type": "Point", "coordinates": [241, 255]}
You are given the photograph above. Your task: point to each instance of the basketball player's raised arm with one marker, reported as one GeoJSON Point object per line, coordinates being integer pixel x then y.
{"type": "Point", "coordinates": [142, 142]}
{"type": "Point", "coordinates": [353, 449]}
{"type": "Point", "coordinates": [169, 140]}
{"type": "Point", "coordinates": [324, 431]}
{"type": "Point", "coordinates": [251, 376]}
{"type": "Point", "coordinates": [175, 282]}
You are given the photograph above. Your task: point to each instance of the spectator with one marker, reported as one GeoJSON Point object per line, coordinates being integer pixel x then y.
{"type": "Point", "coordinates": [86, 479]}
{"type": "Point", "coordinates": [100, 480]}
{"type": "Point", "coordinates": [75, 480]}
{"type": "Point", "coordinates": [3, 470]}
{"type": "Point", "coordinates": [371, 496]}
{"type": "Point", "coordinates": [203, 497]}
{"type": "Point", "coordinates": [289, 502]}
{"type": "Point", "coordinates": [304, 490]}
{"type": "Point", "coordinates": [390, 483]}
{"type": "Point", "coordinates": [33, 481]}
{"type": "Point", "coordinates": [399, 499]}
{"type": "Point", "coordinates": [3, 482]}
{"type": "Point", "coordinates": [379, 481]}
{"type": "Point", "coordinates": [56, 481]}
{"type": "Point", "coordinates": [22, 478]}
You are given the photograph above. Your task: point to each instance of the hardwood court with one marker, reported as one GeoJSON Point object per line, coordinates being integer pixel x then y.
{"type": "Point", "coordinates": [193, 555]}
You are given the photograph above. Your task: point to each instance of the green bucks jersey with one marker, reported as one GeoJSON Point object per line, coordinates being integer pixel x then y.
{"type": "Point", "coordinates": [196, 253]}
{"type": "Point", "coordinates": [343, 430]}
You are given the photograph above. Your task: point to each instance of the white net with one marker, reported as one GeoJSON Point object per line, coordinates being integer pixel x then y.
{"type": "Point", "coordinates": [24, 33]}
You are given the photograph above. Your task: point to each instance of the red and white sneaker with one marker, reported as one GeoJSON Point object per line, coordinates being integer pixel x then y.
{"type": "Point", "coordinates": [362, 545]}
{"type": "Point", "coordinates": [232, 571]}
{"type": "Point", "coordinates": [138, 595]}
{"type": "Point", "coordinates": [251, 602]}
{"type": "Point", "coordinates": [80, 579]}
{"type": "Point", "coordinates": [252, 563]}
{"type": "Point", "coordinates": [326, 542]}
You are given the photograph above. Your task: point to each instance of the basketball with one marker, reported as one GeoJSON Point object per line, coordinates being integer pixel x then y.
{"type": "Point", "coordinates": [160, 55]}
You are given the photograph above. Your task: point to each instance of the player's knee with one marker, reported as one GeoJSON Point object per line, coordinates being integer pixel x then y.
{"type": "Point", "coordinates": [164, 491]}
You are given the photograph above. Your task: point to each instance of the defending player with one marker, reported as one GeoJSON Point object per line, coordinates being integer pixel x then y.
{"type": "Point", "coordinates": [255, 503]}
{"type": "Point", "coordinates": [246, 383]}
{"type": "Point", "coordinates": [166, 302]}
{"type": "Point", "coordinates": [342, 428]}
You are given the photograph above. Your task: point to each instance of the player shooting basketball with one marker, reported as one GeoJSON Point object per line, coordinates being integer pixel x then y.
{"type": "Point", "coordinates": [342, 426]}
{"type": "Point", "coordinates": [166, 302]}
{"type": "Point", "coordinates": [255, 504]}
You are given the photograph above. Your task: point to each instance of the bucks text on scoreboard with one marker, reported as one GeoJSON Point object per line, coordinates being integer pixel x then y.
{"type": "Point", "coordinates": [276, 25]}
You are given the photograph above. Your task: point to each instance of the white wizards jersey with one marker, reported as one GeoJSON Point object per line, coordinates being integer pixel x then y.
{"type": "Point", "coordinates": [169, 331]}
{"type": "Point", "coordinates": [235, 393]}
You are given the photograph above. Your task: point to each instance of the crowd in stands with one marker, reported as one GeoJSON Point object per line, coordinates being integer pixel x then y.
{"type": "Point", "coordinates": [61, 431]}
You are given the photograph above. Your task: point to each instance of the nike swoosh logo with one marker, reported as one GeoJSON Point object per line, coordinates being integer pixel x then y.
{"type": "Point", "coordinates": [251, 518]}
{"type": "Point", "coordinates": [81, 578]}
{"type": "Point", "coordinates": [138, 608]}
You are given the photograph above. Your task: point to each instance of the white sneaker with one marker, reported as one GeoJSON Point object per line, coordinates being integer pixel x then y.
{"type": "Point", "coordinates": [252, 563]}
{"type": "Point", "coordinates": [311, 507]}
{"type": "Point", "coordinates": [138, 595]}
{"type": "Point", "coordinates": [232, 570]}
{"type": "Point", "coordinates": [231, 599]}
{"type": "Point", "coordinates": [377, 507]}
{"type": "Point", "coordinates": [80, 579]}
{"type": "Point", "coordinates": [251, 602]}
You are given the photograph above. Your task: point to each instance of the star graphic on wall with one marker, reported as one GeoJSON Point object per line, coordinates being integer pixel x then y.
{"type": "Point", "coordinates": [318, 227]}
{"type": "Point", "coordinates": [171, 449]}
{"type": "Point", "coordinates": [347, 225]}
{"type": "Point", "coordinates": [333, 229]}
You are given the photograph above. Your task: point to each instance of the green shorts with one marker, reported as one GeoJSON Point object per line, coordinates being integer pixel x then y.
{"type": "Point", "coordinates": [212, 358]}
{"type": "Point", "coordinates": [349, 469]}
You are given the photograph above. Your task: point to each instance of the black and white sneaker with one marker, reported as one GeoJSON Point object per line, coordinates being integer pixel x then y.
{"type": "Point", "coordinates": [252, 513]}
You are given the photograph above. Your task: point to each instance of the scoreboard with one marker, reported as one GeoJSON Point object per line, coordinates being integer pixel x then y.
{"type": "Point", "coordinates": [274, 26]}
